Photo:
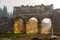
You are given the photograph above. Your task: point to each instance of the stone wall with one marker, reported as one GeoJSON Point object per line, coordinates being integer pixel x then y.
{"type": "Point", "coordinates": [6, 25]}
{"type": "Point", "coordinates": [38, 11]}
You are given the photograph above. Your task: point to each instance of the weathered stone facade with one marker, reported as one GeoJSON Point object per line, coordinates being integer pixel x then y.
{"type": "Point", "coordinates": [25, 13]}
{"type": "Point", "coordinates": [6, 25]}
{"type": "Point", "coordinates": [38, 11]}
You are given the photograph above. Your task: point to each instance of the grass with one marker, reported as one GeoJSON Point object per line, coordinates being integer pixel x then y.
{"type": "Point", "coordinates": [13, 35]}
{"type": "Point", "coordinates": [17, 35]}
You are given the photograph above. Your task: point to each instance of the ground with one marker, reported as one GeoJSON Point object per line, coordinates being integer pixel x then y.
{"type": "Point", "coordinates": [20, 36]}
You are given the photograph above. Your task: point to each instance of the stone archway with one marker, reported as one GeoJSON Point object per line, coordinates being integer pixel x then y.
{"type": "Point", "coordinates": [18, 26]}
{"type": "Point", "coordinates": [46, 25]}
{"type": "Point", "coordinates": [32, 25]}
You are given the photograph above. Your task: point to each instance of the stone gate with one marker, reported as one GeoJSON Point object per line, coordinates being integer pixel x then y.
{"type": "Point", "coordinates": [25, 13]}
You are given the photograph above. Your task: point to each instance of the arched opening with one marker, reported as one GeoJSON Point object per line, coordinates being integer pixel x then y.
{"type": "Point", "coordinates": [32, 26]}
{"type": "Point", "coordinates": [18, 26]}
{"type": "Point", "coordinates": [46, 25]}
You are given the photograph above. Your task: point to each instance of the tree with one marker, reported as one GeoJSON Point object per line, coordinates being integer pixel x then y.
{"type": "Point", "coordinates": [5, 13]}
{"type": "Point", "coordinates": [10, 15]}
{"type": "Point", "coordinates": [0, 12]}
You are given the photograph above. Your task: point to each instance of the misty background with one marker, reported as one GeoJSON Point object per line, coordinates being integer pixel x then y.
{"type": "Point", "coordinates": [6, 6]}
{"type": "Point", "coordinates": [11, 3]}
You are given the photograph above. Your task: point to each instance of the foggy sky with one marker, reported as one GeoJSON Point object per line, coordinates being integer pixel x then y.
{"type": "Point", "coordinates": [11, 3]}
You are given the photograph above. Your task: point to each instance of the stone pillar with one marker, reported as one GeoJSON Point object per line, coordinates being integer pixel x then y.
{"type": "Point", "coordinates": [24, 26]}
{"type": "Point", "coordinates": [39, 28]}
